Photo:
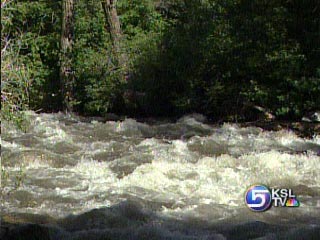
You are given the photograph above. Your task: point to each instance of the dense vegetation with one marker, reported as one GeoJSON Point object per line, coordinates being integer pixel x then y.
{"type": "Point", "coordinates": [217, 57]}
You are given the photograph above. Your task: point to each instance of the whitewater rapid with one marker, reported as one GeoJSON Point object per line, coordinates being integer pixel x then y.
{"type": "Point", "coordinates": [186, 171]}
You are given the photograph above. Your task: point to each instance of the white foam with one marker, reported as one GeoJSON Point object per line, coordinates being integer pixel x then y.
{"type": "Point", "coordinates": [189, 176]}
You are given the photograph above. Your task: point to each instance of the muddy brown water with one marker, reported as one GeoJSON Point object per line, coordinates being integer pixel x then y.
{"type": "Point", "coordinates": [132, 180]}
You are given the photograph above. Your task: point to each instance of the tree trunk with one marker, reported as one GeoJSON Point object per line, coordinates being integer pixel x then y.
{"type": "Point", "coordinates": [66, 71]}
{"type": "Point", "coordinates": [114, 28]}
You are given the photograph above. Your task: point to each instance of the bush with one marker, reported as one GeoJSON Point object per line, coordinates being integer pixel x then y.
{"type": "Point", "coordinates": [14, 74]}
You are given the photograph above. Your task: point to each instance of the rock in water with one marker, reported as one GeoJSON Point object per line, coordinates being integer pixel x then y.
{"type": "Point", "coordinates": [312, 117]}
{"type": "Point", "coordinates": [196, 116]}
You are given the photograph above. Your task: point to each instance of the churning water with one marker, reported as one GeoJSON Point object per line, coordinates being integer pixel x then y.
{"type": "Point", "coordinates": [132, 180]}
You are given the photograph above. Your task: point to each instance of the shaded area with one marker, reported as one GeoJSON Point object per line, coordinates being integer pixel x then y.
{"type": "Point", "coordinates": [218, 57]}
{"type": "Point", "coordinates": [130, 220]}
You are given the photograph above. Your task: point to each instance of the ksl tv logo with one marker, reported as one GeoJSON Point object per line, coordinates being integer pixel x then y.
{"type": "Point", "coordinates": [260, 198]}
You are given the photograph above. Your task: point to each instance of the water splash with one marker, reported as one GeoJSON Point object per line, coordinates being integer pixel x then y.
{"type": "Point", "coordinates": [184, 170]}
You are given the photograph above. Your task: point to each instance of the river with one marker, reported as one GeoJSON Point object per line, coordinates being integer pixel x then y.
{"type": "Point", "coordinates": [85, 179]}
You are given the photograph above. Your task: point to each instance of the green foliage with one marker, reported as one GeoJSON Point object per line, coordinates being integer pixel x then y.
{"type": "Point", "coordinates": [97, 74]}
{"type": "Point", "coordinates": [14, 74]}
{"type": "Point", "coordinates": [213, 56]}
{"type": "Point", "coordinates": [209, 56]}
{"type": "Point", "coordinates": [143, 27]}
{"type": "Point", "coordinates": [274, 62]}
{"type": "Point", "coordinates": [35, 27]}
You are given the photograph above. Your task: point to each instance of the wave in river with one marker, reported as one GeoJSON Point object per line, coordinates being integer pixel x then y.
{"type": "Point", "coordinates": [183, 173]}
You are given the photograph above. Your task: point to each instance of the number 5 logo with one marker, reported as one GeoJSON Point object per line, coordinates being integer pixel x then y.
{"type": "Point", "coordinates": [258, 198]}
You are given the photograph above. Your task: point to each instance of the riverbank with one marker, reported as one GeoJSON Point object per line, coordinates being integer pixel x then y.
{"type": "Point", "coordinates": [302, 129]}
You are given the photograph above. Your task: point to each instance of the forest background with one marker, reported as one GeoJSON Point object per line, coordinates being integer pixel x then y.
{"type": "Point", "coordinates": [223, 58]}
